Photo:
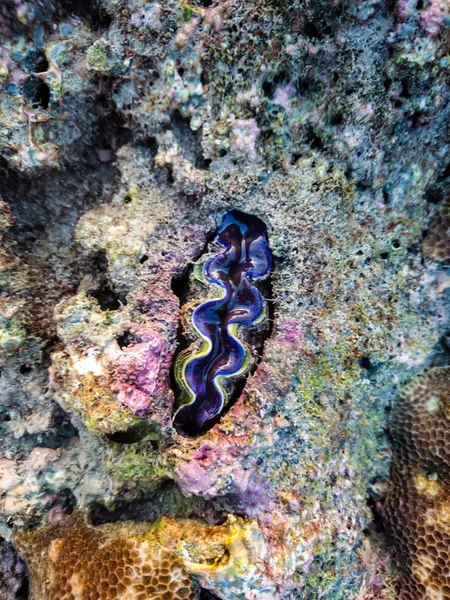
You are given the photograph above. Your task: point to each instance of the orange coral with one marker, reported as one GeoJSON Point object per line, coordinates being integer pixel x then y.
{"type": "Point", "coordinates": [74, 560]}
{"type": "Point", "coordinates": [417, 508]}
{"type": "Point", "coordinates": [436, 243]}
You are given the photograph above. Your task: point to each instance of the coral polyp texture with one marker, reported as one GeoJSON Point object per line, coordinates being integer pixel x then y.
{"type": "Point", "coordinates": [164, 560]}
{"type": "Point", "coordinates": [203, 374]}
{"type": "Point", "coordinates": [436, 243]}
{"type": "Point", "coordinates": [76, 560]}
{"type": "Point", "coordinates": [417, 508]}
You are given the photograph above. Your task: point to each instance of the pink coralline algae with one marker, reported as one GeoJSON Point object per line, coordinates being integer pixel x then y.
{"type": "Point", "coordinates": [138, 369]}
{"type": "Point", "coordinates": [288, 334]}
{"type": "Point", "coordinates": [245, 133]}
{"type": "Point", "coordinates": [431, 18]}
{"type": "Point", "coordinates": [283, 95]}
{"type": "Point", "coordinates": [223, 463]}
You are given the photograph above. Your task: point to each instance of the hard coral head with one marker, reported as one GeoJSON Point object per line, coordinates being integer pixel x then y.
{"type": "Point", "coordinates": [74, 560]}
{"type": "Point", "coordinates": [417, 509]}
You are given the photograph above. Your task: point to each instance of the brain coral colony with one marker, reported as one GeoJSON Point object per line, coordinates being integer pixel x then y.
{"type": "Point", "coordinates": [224, 299]}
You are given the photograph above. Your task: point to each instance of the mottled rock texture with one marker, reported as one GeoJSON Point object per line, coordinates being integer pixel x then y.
{"type": "Point", "coordinates": [128, 128]}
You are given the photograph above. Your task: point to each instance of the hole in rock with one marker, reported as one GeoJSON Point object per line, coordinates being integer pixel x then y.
{"type": "Point", "coordinates": [125, 339]}
{"type": "Point", "coordinates": [337, 119]}
{"type": "Point", "coordinates": [88, 10]}
{"type": "Point", "coordinates": [314, 140]}
{"type": "Point", "coordinates": [37, 92]}
{"type": "Point", "coordinates": [433, 195]}
{"type": "Point", "coordinates": [23, 593]}
{"type": "Point", "coordinates": [365, 363]}
{"type": "Point", "coordinates": [34, 61]}
{"type": "Point", "coordinates": [107, 298]}
{"type": "Point", "coordinates": [208, 380]}
{"type": "Point", "coordinates": [311, 31]}
{"type": "Point", "coordinates": [445, 173]}
{"type": "Point", "coordinates": [207, 595]}
{"type": "Point", "coordinates": [41, 63]}
{"type": "Point", "coordinates": [25, 369]}
{"type": "Point", "coordinates": [375, 506]}
{"type": "Point", "coordinates": [269, 85]}
{"type": "Point", "coordinates": [167, 500]}
{"type": "Point", "coordinates": [147, 142]}
{"type": "Point", "coordinates": [66, 501]}
{"type": "Point", "coordinates": [170, 177]}
{"type": "Point", "coordinates": [132, 435]}
{"type": "Point", "coordinates": [268, 88]}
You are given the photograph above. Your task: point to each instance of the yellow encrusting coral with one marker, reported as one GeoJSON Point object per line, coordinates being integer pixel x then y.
{"type": "Point", "coordinates": [417, 509]}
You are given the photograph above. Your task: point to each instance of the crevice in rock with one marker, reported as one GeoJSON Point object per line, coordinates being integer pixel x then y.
{"type": "Point", "coordinates": [23, 593]}
{"type": "Point", "coordinates": [189, 140]}
{"type": "Point", "coordinates": [133, 435]}
{"type": "Point", "coordinates": [374, 502]}
{"type": "Point", "coordinates": [35, 61]}
{"type": "Point", "coordinates": [206, 595]}
{"type": "Point", "coordinates": [100, 288]}
{"type": "Point", "coordinates": [107, 298]}
{"type": "Point", "coordinates": [60, 435]}
{"type": "Point", "coordinates": [14, 578]}
{"type": "Point", "coordinates": [167, 500]}
{"type": "Point", "coordinates": [88, 10]}
{"type": "Point", "coordinates": [440, 356]}
{"type": "Point", "coordinates": [37, 92]}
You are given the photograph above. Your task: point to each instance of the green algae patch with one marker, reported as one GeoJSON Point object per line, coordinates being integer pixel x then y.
{"type": "Point", "coordinates": [139, 467]}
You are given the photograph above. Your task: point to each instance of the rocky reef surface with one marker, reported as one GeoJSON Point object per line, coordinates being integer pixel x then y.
{"type": "Point", "coordinates": [129, 129]}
